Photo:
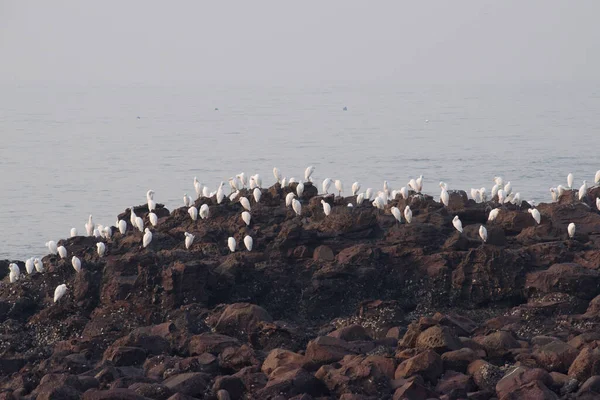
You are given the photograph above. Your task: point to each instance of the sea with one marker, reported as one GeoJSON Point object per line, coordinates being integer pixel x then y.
{"type": "Point", "coordinates": [70, 150]}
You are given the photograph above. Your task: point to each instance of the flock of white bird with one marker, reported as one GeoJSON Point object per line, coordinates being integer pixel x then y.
{"type": "Point", "coordinates": [502, 191]}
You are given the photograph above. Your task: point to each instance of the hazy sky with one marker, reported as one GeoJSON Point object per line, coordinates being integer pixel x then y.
{"type": "Point", "coordinates": [299, 41]}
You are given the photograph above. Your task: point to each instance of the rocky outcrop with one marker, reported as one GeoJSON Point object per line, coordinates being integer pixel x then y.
{"type": "Point", "coordinates": [347, 306]}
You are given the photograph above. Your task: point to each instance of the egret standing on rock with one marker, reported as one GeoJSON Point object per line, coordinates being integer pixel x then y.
{"type": "Point", "coordinates": [231, 244]}
{"type": "Point", "coordinates": [339, 186]}
{"type": "Point", "coordinates": [14, 273]}
{"type": "Point", "coordinates": [246, 217]}
{"type": "Point", "coordinates": [300, 189]}
{"type": "Point", "coordinates": [29, 266]}
{"type": "Point", "coordinates": [597, 178]}
{"type": "Point", "coordinates": [39, 265]}
{"type": "Point", "coordinates": [220, 193]}
{"type": "Point", "coordinates": [297, 207]}
{"type": "Point", "coordinates": [356, 188]}
{"type": "Point", "coordinates": [187, 200]}
{"type": "Point", "coordinates": [147, 238]}
{"type": "Point", "coordinates": [457, 224]}
{"type": "Point", "coordinates": [248, 242]}
{"type": "Point", "coordinates": [445, 197]}
{"type": "Point", "coordinates": [243, 179]}
{"type": "Point", "coordinates": [89, 226]}
{"type": "Point", "coordinates": [308, 172]}
{"type": "Point", "coordinates": [493, 214]}
{"type": "Point", "coordinates": [51, 245]}
{"type": "Point", "coordinates": [571, 230]}
{"type": "Point", "coordinates": [408, 214]}
{"type": "Point", "coordinates": [153, 219]}
{"type": "Point", "coordinates": [62, 251]}
{"type": "Point", "coordinates": [122, 226]}
{"type": "Point", "coordinates": [193, 211]}
{"type": "Point", "coordinates": [197, 187]}
{"type": "Point", "coordinates": [419, 182]}
{"type": "Point", "coordinates": [288, 199]}
{"type": "Point", "coordinates": [277, 175]}
{"type": "Point", "coordinates": [360, 198]}
{"type": "Point", "coordinates": [397, 214]}
{"type": "Point", "coordinates": [326, 207]}
{"type": "Point", "coordinates": [598, 203]}
{"type": "Point", "coordinates": [189, 239]}
{"type": "Point", "coordinates": [570, 179]}
{"type": "Point", "coordinates": [73, 232]}
{"type": "Point", "coordinates": [483, 233]}
{"type": "Point", "coordinates": [76, 262]}
{"type": "Point", "coordinates": [245, 203]}
{"type": "Point", "coordinates": [204, 211]}
{"type": "Point", "coordinates": [101, 249]}
{"type": "Point", "coordinates": [59, 292]}
{"type": "Point", "coordinates": [257, 194]}
{"type": "Point", "coordinates": [139, 222]}
{"type": "Point", "coordinates": [535, 214]}
{"type": "Point", "coordinates": [326, 184]}
{"type": "Point", "coordinates": [583, 191]}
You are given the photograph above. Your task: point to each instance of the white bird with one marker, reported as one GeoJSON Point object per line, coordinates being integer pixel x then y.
{"type": "Point", "coordinates": [386, 187]}
{"type": "Point", "coordinates": [283, 182]}
{"type": "Point", "coordinates": [89, 226]}
{"type": "Point", "coordinates": [101, 247]}
{"type": "Point", "coordinates": [508, 188]}
{"type": "Point", "coordinates": [147, 238]}
{"type": "Point", "coordinates": [350, 205]}
{"type": "Point", "coordinates": [419, 182]}
{"type": "Point", "coordinates": [413, 184]}
{"type": "Point", "coordinates": [62, 252]}
{"type": "Point", "coordinates": [248, 242]}
{"type": "Point", "coordinates": [277, 175]}
{"type": "Point", "coordinates": [483, 195]}
{"type": "Point", "coordinates": [187, 200]}
{"type": "Point", "coordinates": [234, 184]}
{"type": "Point", "coordinates": [39, 265]}
{"type": "Point", "coordinates": [204, 212]}
{"type": "Point", "coordinates": [570, 180]}
{"type": "Point", "coordinates": [73, 232]}
{"type": "Point", "coordinates": [150, 195]}
{"type": "Point", "coordinates": [122, 226]}
{"type": "Point", "coordinates": [408, 214]}
{"type": "Point", "coordinates": [457, 224]}
{"type": "Point", "coordinates": [197, 187]}
{"type": "Point", "coordinates": [300, 189]}
{"type": "Point", "coordinates": [378, 203]}
{"type": "Point", "coordinates": [51, 245]}
{"type": "Point", "coordinates": [598, 203]}
{"type": "Point", "coordinates": [501, 196]}
{"type": "Point", "coordinates": [245, 203]}
{"type": "Point", "coordinates": [554, 194]}
{"type": "Point", "coordinates": [396, 213]}
{"type": "Point", "coordinates": [483, 233]}
{"type": "Point", "coordinates": [257, 194]}
{"type": "Point", "coordinates": [339, 186]}
{"type": "Point", "coordinates": [495, 189]}
{"type": "Point", "coordinates": [59, 292]}
{"type": "Point", "coordinates": [258, 180]}
{"type": "Point", "coordinates": [444, 185]}
{"type": "Point", "coordinates": [231, 243]}
{"type": "Point", "coordinates": [493, 214]}
{"type": "Point", "coordinates": [517, 199]}
{"type": "Point", "coordinates": [288, 199]}
{"type": "Point", "coordinates": [246, 217]}
{"type": "Point", "coordinates": [597, 177]}
{"type": "Point", "coordinates": [139, 222]}
{"type": "Point", "coordinates": [107, 232]}
{"type": "Point", "coordinates": [151, 205]}
{"type": "Point", "coordinates": [220, 193]}
{"type": "Point", "coordinates": [206, 192]}
{"type": "Point", "coordinates": [234, 195]}
{"type": "Point", "coordinates": [356, 187]}
{"type": "Point", "coordinates": [560, 189]}
{"type": "Point", "coordinates": [475, 195]}
{"type": "Point", "coordinates": [571, 230]}
{"type": "Point", "coordinates": [14, 272]}
{"type": "Point", "coordinates": [189, 239]}
{"type": "Point", "coordinates": [297, 207]}
{"type": "Point", "coordinates": [360, 198]}
{"type": "Point", "coordinates": [252, 183]}
{"type": "Point", "coordinates": [242, 177]}
{"type": "Point", "coordinates": [308, 172]}
{"type": "Point", "coordinates": [583, 191]}
{"type": "Point", "coordinates": [404, 192]}
{"type": "Point", "coordinates": [445, 197]}
{"type": "Point", "coordinates": [326, 207]}
{"type": "Point", "coordinates": [76, 262]}
{"type": "Point", "coordinates": [499, 181]}
{"type": "Point", "coordinates": [193, 211]}
{"type": "Point", "coordinates": [153, 219]}
{"type": "Point", "coordinates": [29, 266]}
{"type": "Point", "coordinates": [292, 180]}
{"type": "Point", "coordinates": [132, 216]}
{"type": "Point", "coordinates": [326, 185]}
{"type": "Point", "coordinates": [96, 232]}
{"type": "Point", "coordinates": [535, 214]}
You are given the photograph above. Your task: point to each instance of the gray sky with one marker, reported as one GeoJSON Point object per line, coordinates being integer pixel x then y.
{"type": "Point", "coordinates": [299, 41]}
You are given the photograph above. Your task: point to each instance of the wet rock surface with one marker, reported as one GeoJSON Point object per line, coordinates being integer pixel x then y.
{"type": "Point", "coordinates": [347, 306]}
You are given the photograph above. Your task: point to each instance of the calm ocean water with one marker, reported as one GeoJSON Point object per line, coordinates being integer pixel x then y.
{"type": "Point", "coordinates": [68, 151]}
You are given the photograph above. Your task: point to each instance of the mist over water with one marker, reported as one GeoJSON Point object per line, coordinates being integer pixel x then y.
{"type": "Point", "coordinates": [71, 150]}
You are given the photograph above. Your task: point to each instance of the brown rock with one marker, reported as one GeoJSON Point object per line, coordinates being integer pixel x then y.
{"type": "Point", "coordinates": [428, 364]}
{"type": "Point", "coordinates": [499, 343]}
{"type": "Point", "coordinates": [413, 391]}
{"type": "Point", "coordinates": [291, 382]}
{"type": "Point", "coordinates": [323, 253]}
{"type": "Point", "coordinates": [534, 390]}
{"type": "Point", "coordinates": [112, 394]}
{"type": "Point", "coordinates": [191, 383]}
{"type": "Point", "coordinates": [459, 360]}
{"type": "Point", "coordinates": [122, 355]}
{"type": "Point", "coordinates": [591, 385]}
{"type": "Point", "coordinates": [518, 377]}
{"type": "Point", "coordinates": [555, 356]}
{"type": "Point", "coordinates": [350, 333]}
{"type": "Point", "coordinates": [484, 374]}
{"type": "Point", "coordinates": [326, 349]}
{"type": "Point", "coordinates": [439, 339]}
{"type": "Point", "coordinates": [211, 343]}
{"type": "Point", "coordinates": [152, 390]}
{"type": "Point", "coordinates": [566, 278]}
{"type": "Point", "coordinates": [239, 319]}
{"type": "Point", "coordinates": [236, 358]}
{"type": "Point", "coordinates": [281, 357]}
{"type": "Point", "coordinates": [233, 385]}
{"type": "Point", "coordinates": [586, 364]}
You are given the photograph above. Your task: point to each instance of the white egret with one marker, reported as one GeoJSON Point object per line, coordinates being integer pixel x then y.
{"type": "Point", "coordinates": [517, 199]}
{"type": "Point", "coordinates": [197, 187]}
{"type": "Point", "coordinates": [444, 185]}
{"type": "Point", "coordinates": [475, 195]}
{"type": "Point", "coordinates": [89, 226]}
{"type": "Point", "coordinates": [413, 184]}
{"type": "Point", "coordinates": [308, 172]}
{"type": "Point", "coordinates": [300, 189]}
{"type": "Point", "coordinates": [73, 232]}
{"type": "Point", "coordinates": [297, 207]}
{"type": "Point", "coordinates": [283, 182]}
{"type": "Point", "coordinates": [570, 179]}
{"type": "Point", "coordinates": [231, 243]}
{"type": "Point", "coordinates": [59, 292]}
{"type": "Point", "coordinates": [378, 203]}
{"type": "Point", "coordinates": [597, 177]}
{"type": "Point", "coordinates": [583, 190]}
{"type": "Point", "coordinates": [193, 211]}
{"type": "Point", "coordinates": [571, 230]}
{"type": "Point", "coordinates": [206, 192]}
{"type": "Point", "coordinates": [153, 218]}
{"type": "Point", "coordinates": [132, 216]}
{"type": "Point", "coordinates": [96, 232]}
{"type": "Point", "coordinates": [62, 252]}
{"type": "Point", "coordinates": [246, 217]}
{"type": "Point", "coordinates": [245, 203]}
{"type": "Point", "coordinates": [501, 196]}
{"type": "Point", "coordinates": [204, 211]}
{"type": "Point", "coordinates": [76, 262]}
{"type": "Point", "coordinates": [535, 214]}
{"type": "Point", "coordinates": [122, 226]}
{"type": "Point", "coordinates": [101, 247]}
{"type": "Point", "coordinates": [339, 186]}
{"type": "Point", "coordinates": [457, 224]}
{"type": "Point", "coordinates": [277, 175]}
{"type": "Point", "coordinates": [408, 214]}
{"type": "Point", "coordinates": [508, 188]}
{"type": "Point", "coordinates": [258, 181]}
{"type": "Point", "coordinates": [107, 232]}
{"type": "Point", "coordinates": [220, 193]}
{"type": "Point", "coordinates": [499, 181]}
{"type": "Point", "coordinates": [356, 188]}
{"type": "Point", "coordinates": [139, 223]}
{"type": "Point", "coordinates": [51, 245]}
{"type": "Point", "coordinates": [493, 214]}
{"type": "Point", "coordinates": [189, 239]}
{"type": "Point", "coordinates": [554, 194]}
{"type": "Point", "coordinates": [495, 190]}
{"type": "Point", "coordinates": [257, 194]}
{"type": "Point", "coordinates": [242, 177]}
{"type": "Point", "coordinates": [29, 266]}
{"type": "Point", "coordinates": [39, 265]}
{"type": "Point", "coordinates": [288, 199]}
{"type": "Point", "coordinates": [151, 205]}
{"type": "Point", "coordinates": [14, 273]}
{"type": "Point", "coordinates": [234, 184]}
{"type": "Point", "coordinates": [291, 180]}
{"type": "Point", "coordinates": [483, 233]}
{"type": "Point", "coordinates": [404, 192]}
{"type": "Point", "coordinates": [445, 197]}
{"type": "Point", "coordinates": [350, 205]}
{"type": "Point", "coordinates": [147, 238]}
{"type": "Point", "coordinates": [386, 187]}
{"type": "Point", "coordinates": [560, 190]}
{"type": "Point", "coordinates": [234, 195]}
{"type": "Point", "coordinates": [326, 185]}
{"type": "Point", "coordinates": [326, 207]}
{"type": "Point", "coordinates": [419, 182]}
{"type": "Point", "coordinates": [248, 242]}
{"type": "Point", "coordinates": [360, 198]}
{"type": "Point", "coordinates": [397, 214]}
{"type": "Point", "coordinates": [598, 203]}
{"type": "Point", "coordinates": [483, 195]}
{"type": "Point", "coordinates": [187, 200]}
